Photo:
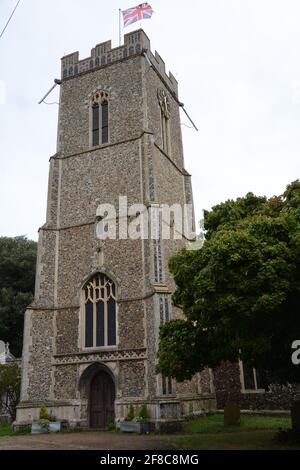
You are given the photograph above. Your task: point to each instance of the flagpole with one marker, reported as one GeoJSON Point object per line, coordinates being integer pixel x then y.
{"type": "Point", "coordinates": [120, 27]}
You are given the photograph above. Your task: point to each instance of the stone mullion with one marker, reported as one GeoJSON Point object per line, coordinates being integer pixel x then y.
{"type": "Point", "coordinates": [94, 315]}
{"type": "Point", "coordinates": [255, 379]}
{"type": "Point", "coordinates": [163, 130]}
{"type": "Point", "coordinates": [83, 316]}
{"type": "Point", "coordinates": [168, 148]}
{"type": "Point", "coordinates": [105, 325]}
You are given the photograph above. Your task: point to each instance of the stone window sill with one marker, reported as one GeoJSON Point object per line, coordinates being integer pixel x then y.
{"type": "Point", "coordinates": [101, 146]}
{"type": "Point", "coordinates": [97, 350]}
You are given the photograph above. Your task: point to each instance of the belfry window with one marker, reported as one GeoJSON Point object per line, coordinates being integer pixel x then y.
{"type": "Point", "coordinates": [100, 313]}
{"type": "Point", "coordinates": [165, 132]}
{"type": "Point", "coordinates": [96, 123]}
{"type": "Point", "coordinates": [100, 119]}
{"type": "Point", "coordinates": [165, 114]}
{"type": "Point", "coordinates": [104, 109]}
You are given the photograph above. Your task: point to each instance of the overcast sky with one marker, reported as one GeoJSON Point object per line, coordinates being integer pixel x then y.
{"type": "Point", "coordinates": [238, 67]}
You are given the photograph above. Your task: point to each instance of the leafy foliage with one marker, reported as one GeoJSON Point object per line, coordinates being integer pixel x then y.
{"type": "Point", "coordinates": [10, 385]}
{"type": "Point", "coordinates": [44, 424]}
{"type": "Point", "coordinates": [240, 292]}
{"type": "Point", "coordinates": [130, 416]}
{"type": "Point", "coordinates": [295, 415]}
{"type": "Point", "coordinates": [17, 277]}
{"type": "Point", "coordinates": [143, 414]}
{"type": "Point", "coordinates": [44, 415]}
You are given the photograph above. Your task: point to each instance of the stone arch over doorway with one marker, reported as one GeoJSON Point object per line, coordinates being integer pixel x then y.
{"type": "Point", "coordinates": [98, 390]}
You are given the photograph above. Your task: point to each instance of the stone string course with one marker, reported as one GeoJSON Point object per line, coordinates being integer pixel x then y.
{"type": "Point", "coordinates": [105, 356]}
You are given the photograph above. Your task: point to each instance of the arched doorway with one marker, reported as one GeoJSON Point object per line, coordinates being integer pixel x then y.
{"type": "Point", "coordinates": [102, 400]}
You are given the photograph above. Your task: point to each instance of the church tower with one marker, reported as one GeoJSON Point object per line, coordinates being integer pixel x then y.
{"type": "Point", "coordinates": [91, 334]}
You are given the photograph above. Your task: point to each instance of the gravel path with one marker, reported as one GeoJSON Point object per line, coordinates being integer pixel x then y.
{"type": "Point", "coordinates": [85, 441]}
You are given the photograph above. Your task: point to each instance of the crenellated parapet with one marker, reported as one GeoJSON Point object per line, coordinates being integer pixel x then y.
{"type": "Point", "coordinates": [103, 54]}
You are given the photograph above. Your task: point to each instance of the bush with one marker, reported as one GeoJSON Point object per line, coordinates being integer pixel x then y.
{"type": "Point", "coordinates": [130, 416]}
{"type": "Point", "coordinates": [111, 425]}
{"type": "Point", "coordinates": [44, 424]}
{"type": "Point", "coordinates": [287, 436]}
{"type": "Point", "coordinates": [143, 414]}
{"type": "Point", "coordinates": [44, 415]}
{"type": "Point", "coordinates": [10, 386]}
{"type": "Point", "coordinates": [295, 415]}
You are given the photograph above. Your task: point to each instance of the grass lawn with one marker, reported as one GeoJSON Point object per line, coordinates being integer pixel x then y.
{"type": "Point", "coordinates": [215, 424]}
{"type": "Point", "coordinates": [245, 440]}
{"type": "Point", "coordinates": [7, 430]}
{"type": "Point", "coordinates": [255, 433]}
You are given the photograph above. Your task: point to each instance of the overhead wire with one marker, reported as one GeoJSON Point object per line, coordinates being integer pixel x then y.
{"type": "Point", "coordinates": [50, 104]}
{"type": "Point", "coordinates": [9, 19]}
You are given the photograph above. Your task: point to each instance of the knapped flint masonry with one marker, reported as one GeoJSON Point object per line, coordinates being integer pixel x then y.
{"type": "Point", "coordinates": [91, 334]}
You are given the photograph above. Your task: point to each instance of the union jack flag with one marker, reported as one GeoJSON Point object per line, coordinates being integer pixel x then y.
{"type": "Point", "coordinates": [141, 12]}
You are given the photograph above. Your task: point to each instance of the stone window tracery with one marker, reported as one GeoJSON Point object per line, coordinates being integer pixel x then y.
{"type": "Point", "coordinates": [100, 313]}
{"type": "Point", "coordinates": [165, 113]}
{"type": "Point", "coordinates": [164, 309]}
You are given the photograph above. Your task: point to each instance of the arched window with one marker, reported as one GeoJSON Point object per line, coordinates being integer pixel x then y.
{"type": "Point", "coordinates": [100, 312]}
{"type": "Point", "coordinates": [165, 114]}
{"type": "Point", "coordinates": [96, 123]}
{"type": "Point", "coordinates": [100, 119]}
{"type": "Point", "coordinates": [104, 111]}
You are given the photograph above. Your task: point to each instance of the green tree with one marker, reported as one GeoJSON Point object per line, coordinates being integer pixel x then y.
{"type": "Point", "coordinates": [10, 385]}
{"type": "Point", "coordinates": [17, 277]}
{"type": "Point", "coordinates": [240, 293]}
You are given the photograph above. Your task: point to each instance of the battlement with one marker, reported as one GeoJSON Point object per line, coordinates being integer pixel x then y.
{"type": "Point", "coordinates": [103, 55]}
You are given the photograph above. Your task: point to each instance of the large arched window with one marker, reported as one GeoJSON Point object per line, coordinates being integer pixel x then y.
{"type": "Point", "coordinates": [100, 312]}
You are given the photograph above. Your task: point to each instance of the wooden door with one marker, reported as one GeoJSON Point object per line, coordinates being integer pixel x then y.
{"type": "Point", "coordinates": [102, 401]}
